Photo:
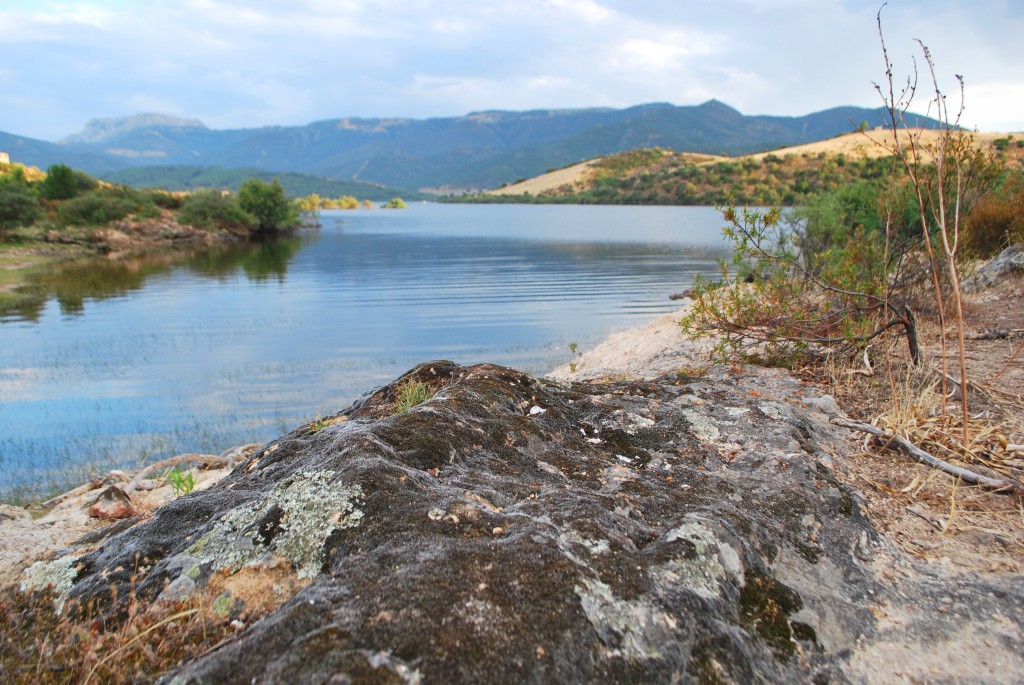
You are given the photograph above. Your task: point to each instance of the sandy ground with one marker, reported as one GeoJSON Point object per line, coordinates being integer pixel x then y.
{"type": "Point", "coordinates": [646, 352]}
{"type": "Point", "coordinates": [35, 533]}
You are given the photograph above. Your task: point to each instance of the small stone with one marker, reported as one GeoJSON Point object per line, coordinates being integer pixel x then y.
{"type": "Point", "coordinates": [498, 530]}
{"type": "Point", "coordinates": [178, 590]}
{"type": "Point", "coordinates": [826, 404]}
{"type": "Point", "coordinates": [534, 411]}
{"type": "Point", "coordinates": [112, 504]}
{"type": "Point", "coordinates": [435, 514]}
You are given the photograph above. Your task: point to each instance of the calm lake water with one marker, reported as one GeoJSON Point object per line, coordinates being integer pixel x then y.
{"type": "Point", "coordinates": [116, 363]}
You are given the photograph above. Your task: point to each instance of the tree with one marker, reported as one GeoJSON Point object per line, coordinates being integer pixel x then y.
{"type": "Point", "coordinates": [268, 203]}
{"type": "Point", "coordinates": [18, 206]}
{"type": "Point", "coordinates": [63, 183]}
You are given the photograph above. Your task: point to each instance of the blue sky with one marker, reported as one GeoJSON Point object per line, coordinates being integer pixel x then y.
{"type": "Point", "coordinates": [251, 63]}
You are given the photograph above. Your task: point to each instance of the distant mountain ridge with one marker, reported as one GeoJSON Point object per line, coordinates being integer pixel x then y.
{"type": "Point", "coordinates": [97, 131]}
{"type": "Point", "coordinates": [476, 151]}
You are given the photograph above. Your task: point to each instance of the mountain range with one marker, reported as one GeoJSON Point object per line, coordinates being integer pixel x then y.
{"type": "Point", "coordinates": [476, 151]}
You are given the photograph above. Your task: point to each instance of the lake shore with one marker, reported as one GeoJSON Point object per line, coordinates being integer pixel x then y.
{"type": "Point", "coordinates": [645, 352]}
{"type": "Point", "coordinates": [639, 353]}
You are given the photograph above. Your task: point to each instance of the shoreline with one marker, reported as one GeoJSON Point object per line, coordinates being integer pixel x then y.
{"type": "Point", "coordinates": [642, 352]}
{"type": "Point", "coordinates": [912, 552]}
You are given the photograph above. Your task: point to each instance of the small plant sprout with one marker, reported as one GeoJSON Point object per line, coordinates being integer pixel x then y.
{"type": "Point", "coordinates": [412, 393]}
{"type": "Point", "coordinates": [180, 480]}
{"type": "Point", "coordinates": [318, 424]}
{"type": "Point", "coordinates": [573, 347]}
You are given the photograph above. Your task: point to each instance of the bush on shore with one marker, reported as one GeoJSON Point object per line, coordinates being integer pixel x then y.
{"type": "Point", "coordinates": [268, 204]}
{"type": "Point", "coordinates": [18, 205]}
{"type": "Point", "coordinates": [212, 209]}
{"type": "Point", "coordinates": [103, 205]}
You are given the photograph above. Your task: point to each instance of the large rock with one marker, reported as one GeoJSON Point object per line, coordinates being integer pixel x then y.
{"type": "Point", "coordinates": [514, 529]}
{"type": "Point", "coordinates": [1008, 262]}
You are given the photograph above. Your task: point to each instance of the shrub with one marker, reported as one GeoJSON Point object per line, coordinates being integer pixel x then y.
{"type": "Point", "coordinates": [18, 206]}
{"type": "Point", "coordinates": [268, 204]}
{"type": "Point", "coordinates": [211, 210]}
{"type": "Point", "coordinates": [63, 183]}
{"type": "Point", "coordinates": [101, 206]}
{"type": "Point", "coordinates": [394, 203]}
{"type": "Point", "coordinates": [995, 223]}
{"type": "Point", "coordinates": [795, 300]}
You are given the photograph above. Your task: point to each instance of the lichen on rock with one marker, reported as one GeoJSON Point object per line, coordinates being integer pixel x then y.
{"type": "Point", "coordinates": [293, 521]}
{"type": "Point", "coordinates": [58, 574]}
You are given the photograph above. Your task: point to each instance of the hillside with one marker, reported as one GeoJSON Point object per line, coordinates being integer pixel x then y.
{"type": "Point", "coordinates": [783, 176]}
{"type": "Point", "coordinates": [296, 185]}
{"type": "Point", "coordinates": [477, 151]}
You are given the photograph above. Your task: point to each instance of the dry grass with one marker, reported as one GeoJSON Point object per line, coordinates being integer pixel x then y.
{"type": "Point", "coordinates": [87, 645]}
{"type": "Point", "coordinates": [929, 513]}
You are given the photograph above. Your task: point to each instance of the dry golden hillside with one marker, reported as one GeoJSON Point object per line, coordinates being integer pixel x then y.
{"type": "Point", "coordinates": [854, 146]}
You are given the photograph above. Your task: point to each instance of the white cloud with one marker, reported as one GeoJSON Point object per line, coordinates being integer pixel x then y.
{"type": "Point", "coordinates": [587, 10]}
{"type": "Point", "coordinates": [257, 62]}
{"type": "Point", "coordinates": [994, 106]}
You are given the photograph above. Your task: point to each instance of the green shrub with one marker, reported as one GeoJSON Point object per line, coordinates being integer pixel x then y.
{"type": "Point", "coordinates": [211, 210]}
{"type": "Point", "coordinates": [164, 199]}
{"type": "Point", "coordinates": [394, 203]}
{"type": "Point", "coordinates": [796, 301]}
{"type": "Point", "coordinates": [268, 204]}
{"type": "Point", "coordinates": [18, 205]}
{"type": "Point", "coordinates": [63, 183]}
{"type": "Point", "coordinates": [412, 393]}
{"type": "Point", "coordinates": [830, 217]}
{"type": "Point", "coordinates": [103, 205]}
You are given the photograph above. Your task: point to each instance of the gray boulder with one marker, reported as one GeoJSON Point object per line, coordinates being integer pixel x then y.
{"type": "Point", "coordinates": [1009, 261]}
{"type": "Point", "coordinates": [519, 530]}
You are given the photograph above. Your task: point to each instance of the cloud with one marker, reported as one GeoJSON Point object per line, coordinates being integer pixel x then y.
{"type": "Point", "coordinates": [256, 62]}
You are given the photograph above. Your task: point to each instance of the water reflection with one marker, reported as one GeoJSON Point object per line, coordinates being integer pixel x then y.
{"type": "Point", "coordinates": [119, 361]}
{"type": "Point", "coordinates": [260, 261]}
{"type": "Point", "coordinates": [98, 278]}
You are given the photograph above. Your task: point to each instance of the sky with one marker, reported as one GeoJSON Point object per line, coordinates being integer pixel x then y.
{"type": "Point", "coordinates": [248, 63]}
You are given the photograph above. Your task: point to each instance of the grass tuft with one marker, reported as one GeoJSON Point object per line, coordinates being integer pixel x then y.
{"type": "Point", "coordinates": [412, 393]}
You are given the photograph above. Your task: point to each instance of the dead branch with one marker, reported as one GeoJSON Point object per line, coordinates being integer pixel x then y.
{"type": "Point", "coordinates": [920, 455]}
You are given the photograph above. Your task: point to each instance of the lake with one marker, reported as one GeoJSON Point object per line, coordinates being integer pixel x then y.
{"type": "Point", "coordinates": [120, 362]}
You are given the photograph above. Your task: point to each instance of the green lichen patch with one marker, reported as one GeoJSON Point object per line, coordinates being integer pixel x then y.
{"type": "Point", "coordinates": [58, 575]}
{"type": "Point", "coordinates": [293, 521]}
{"type": "Point", "coordinates": [710, 562]}
{"type": "Point", "coordinates": [631, 629]}
{"type": "Point", "coordinates": [703, 427]}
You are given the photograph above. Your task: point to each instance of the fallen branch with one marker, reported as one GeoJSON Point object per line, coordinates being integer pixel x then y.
{"type": "Point", "coordinates": [920, 455]}
{"type": "Point", "coordinates": [227, 459]}
{"type": "Point", "coordinates": [996, 334]}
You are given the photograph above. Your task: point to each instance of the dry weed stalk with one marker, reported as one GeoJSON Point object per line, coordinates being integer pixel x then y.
{"type": "Point", "coordinates": [951, 149]}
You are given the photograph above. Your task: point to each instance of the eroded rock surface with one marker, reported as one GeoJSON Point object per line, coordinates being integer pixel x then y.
{"type": "Point", "coordinates": [516, 530]}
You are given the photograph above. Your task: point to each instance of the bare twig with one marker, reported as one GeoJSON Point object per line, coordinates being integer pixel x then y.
{"type": "Point", "coordinates": [920, 455]}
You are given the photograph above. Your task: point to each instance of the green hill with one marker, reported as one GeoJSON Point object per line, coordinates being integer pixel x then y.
{"type": "Point", "coordinates": [296, 185]}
